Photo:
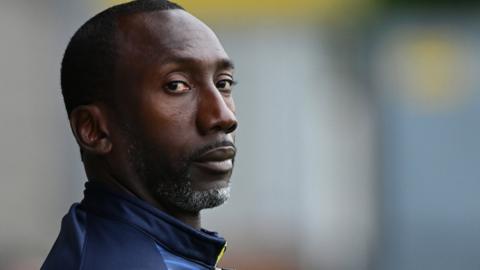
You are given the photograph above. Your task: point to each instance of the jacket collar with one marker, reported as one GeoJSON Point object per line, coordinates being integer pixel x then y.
{"type": "Point", "coordinates": [198, 245]}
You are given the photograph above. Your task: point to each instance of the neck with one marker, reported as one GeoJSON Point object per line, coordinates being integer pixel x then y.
{"type": "Point", "coordinates": [192, 219]}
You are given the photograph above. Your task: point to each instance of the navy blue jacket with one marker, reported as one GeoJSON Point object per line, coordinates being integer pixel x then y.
{"type": "Point", "coordinates": [110, 231]}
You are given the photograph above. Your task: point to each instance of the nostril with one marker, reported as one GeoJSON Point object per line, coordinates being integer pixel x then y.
{"type": "Point", "coordinates": [232, 128]}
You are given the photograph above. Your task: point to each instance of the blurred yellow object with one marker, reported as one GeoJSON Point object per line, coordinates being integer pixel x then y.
{"type": "Point", "coordinates": [437, 59]}
{"type": "Point", "coordinates": [434, 60]}
{"type": "Point", "coordinates": [245, 10]}
{"type": "Point", "coordinates": [429, 66]}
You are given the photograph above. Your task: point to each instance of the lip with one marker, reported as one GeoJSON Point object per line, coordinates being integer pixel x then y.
{"type": "Point", "coordinates": [219, 159]}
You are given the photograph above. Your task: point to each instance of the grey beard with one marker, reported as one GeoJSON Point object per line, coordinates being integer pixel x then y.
{"type": "Point", "coordinates": [184, 197]}
{"type": "Point", "coordinates": [176, 188]}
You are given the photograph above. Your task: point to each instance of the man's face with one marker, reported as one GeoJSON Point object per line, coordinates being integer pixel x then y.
{"type": "Point", "coordinates": [174, 109]}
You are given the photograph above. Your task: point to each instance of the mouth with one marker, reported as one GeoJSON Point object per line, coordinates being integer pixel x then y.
{"type": "Point", "coordinates": [217, 160]}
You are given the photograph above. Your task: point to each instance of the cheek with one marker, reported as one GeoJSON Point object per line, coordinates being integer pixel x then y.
{"type": "Point", "coordinates": [169, 124]}
{"type": "Point", "coordinates": [173, 119]}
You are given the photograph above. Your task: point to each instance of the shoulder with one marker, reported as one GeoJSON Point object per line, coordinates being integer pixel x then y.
{"type": "Point", "coordinates": [114, 244]}
{"type": "Point", "coordinates": [90, 241]}
{"type": "Point", "coordinates": [67, 249]}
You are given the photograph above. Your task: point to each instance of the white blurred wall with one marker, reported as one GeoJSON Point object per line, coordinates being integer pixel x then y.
{"type": "Point", "coordinates": [36, 151]}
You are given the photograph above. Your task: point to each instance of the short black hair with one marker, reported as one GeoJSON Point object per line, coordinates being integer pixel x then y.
{"type": "Point", "coordinates": [89, 60]}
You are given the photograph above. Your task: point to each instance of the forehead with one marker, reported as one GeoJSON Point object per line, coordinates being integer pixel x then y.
{"type": "Point", "coordinates": [168, 34]}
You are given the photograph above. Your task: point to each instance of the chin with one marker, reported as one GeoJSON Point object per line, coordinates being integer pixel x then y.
{"type": "Point", "coordinates": [203, 185]}
{"type": "Point", "coordinates": [202, 181]}
{"type": "Point", "coordinates": [212, 198]}
{"type": "Point", "coordinates": [192, 196]}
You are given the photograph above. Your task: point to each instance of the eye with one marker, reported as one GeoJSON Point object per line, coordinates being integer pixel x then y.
{"type": "Point", "coordinates": [225, 85]}
{"type": "Point", "coordinates": [177, 87]}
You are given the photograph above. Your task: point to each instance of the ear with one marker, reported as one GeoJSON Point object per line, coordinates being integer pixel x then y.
{"type": "Point", "coordinates": [89, 126]}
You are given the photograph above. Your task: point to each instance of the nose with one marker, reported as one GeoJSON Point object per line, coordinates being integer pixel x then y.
{"type": "Point", "coordinates": [216, 112]}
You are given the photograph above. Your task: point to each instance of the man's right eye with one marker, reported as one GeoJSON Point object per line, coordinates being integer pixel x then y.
{"type": "Point", "coordinates": [177, 87]}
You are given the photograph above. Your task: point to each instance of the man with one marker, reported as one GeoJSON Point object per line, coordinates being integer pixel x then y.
{"type": "Point", "coordinates": [147, 88]}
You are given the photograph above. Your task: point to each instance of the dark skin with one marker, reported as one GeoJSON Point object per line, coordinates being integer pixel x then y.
{"type": "Point", "coordinates": [173, 83]}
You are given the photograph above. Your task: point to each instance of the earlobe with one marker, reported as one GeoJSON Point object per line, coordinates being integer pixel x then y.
{"type": "Point", "coordinates": [89, 126]}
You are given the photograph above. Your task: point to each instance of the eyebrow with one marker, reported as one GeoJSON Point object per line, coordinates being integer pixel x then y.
{"type": "Point", "coordinates": [223, 63]}
{"type": "Point", "coordinates": [226, 64]}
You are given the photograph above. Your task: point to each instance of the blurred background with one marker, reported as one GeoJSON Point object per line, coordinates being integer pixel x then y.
{"type": "Point", "coordinates": [359, 134]}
